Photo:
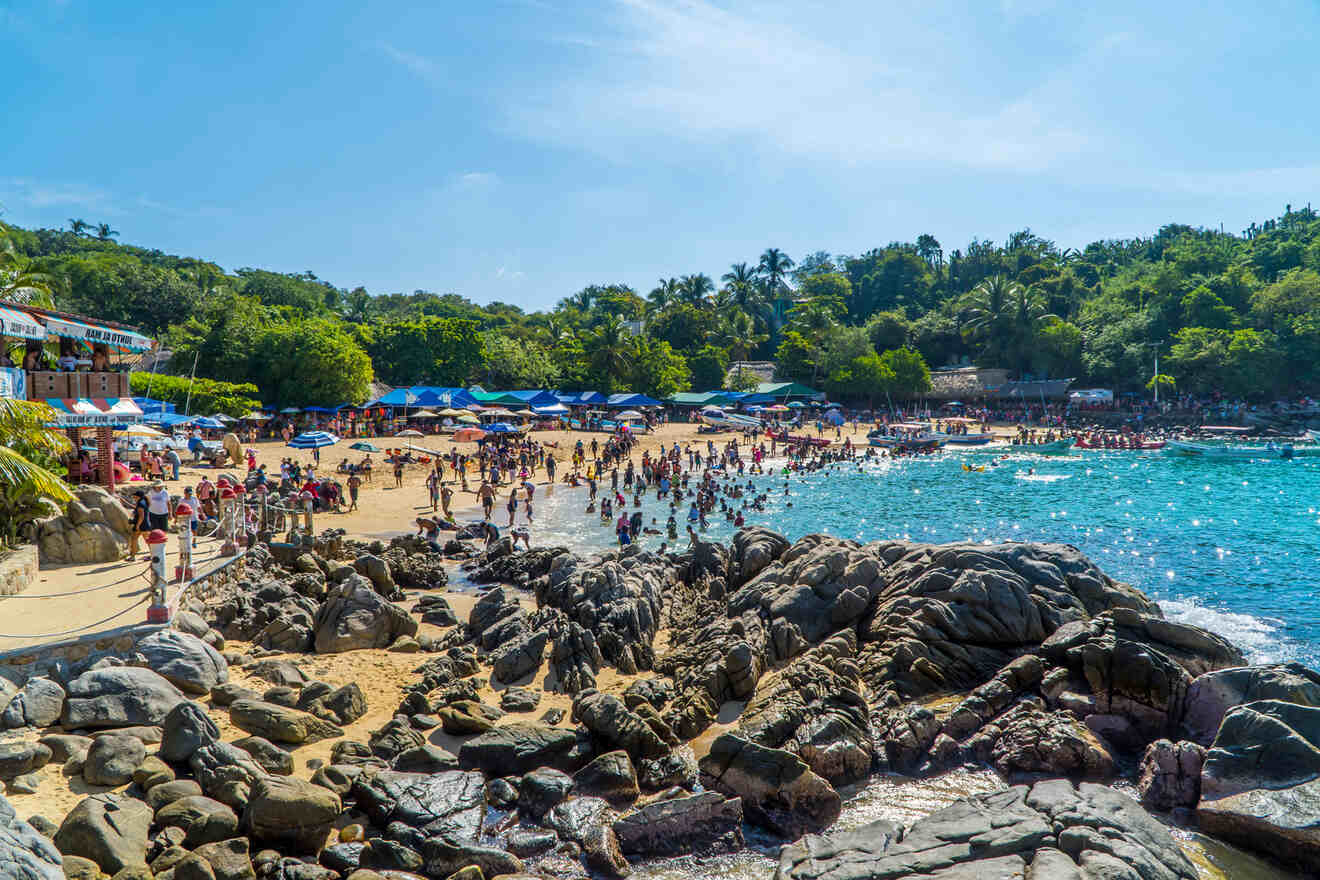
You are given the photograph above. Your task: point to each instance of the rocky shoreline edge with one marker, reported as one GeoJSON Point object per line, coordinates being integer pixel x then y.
{"type": "Point", "coordinates": [838, 660]}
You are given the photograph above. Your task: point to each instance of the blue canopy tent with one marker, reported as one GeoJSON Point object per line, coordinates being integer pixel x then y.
{"type": "Point", "coordinates": [580, 398]}
{"type": "Point", "coordinates": [397, 397]}
{"type": "Point", "coordinates": [631, 401]}
{"type": "Point", "coordinates": [167, 419]}
{"type": "Point", "coordinates": [148, 405]}
{"type": "Point", "coordinates": [317, 409]}
{"type": "Point", "coordinates": [554, 409]}
{"type": "Point", "coordinates": [499, 428]}
{"type": "Point", "coordinates": [429, 395]}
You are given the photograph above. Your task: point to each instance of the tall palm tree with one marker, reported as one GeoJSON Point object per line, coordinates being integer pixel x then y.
{"type": "Point", "coordinates": [695, 289]}
{"type": "Point", "coordinates": [608, 349]}
{"type": "Point", "coordinates": [737, 331]}
{"type": "Point", "coordinates": [24, 482]}
{"type": "Point", "coordinates": [78, 227]}
{"type": "Point", "coordinates": [1004, 315]}
{"type": "Point", "coordinates": [104, 232]}
{"type": "Point", "coordinates": [774, 267]}
{"type": "Point", "coordinates": [21, 281]}
{"type": "Point", "coordinates": [664, 294]}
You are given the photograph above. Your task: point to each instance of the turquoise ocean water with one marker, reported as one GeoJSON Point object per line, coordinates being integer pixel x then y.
{"type": "Point", "coordinates": [1233, 546]}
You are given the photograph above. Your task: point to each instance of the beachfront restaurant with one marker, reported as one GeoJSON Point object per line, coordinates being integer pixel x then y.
{"type": "Point", "coordinates": [75, 364]}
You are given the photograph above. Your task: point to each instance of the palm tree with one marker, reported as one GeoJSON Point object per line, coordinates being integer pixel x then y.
{"type": "Point", "coordinates": [104, 232]}
{"type": "Point", "coordinates": [24, 482]}
{"type": "Point", "coordinates": [664, 294]}
{"type": "Point", "coordinates": [78, 227]}
{"type": "Point", "coordinates": [608, 348]}
{"type": "Point", "coordinates": [20, 281]}
{"type": "Point", "coordinates": [1004, 314]}
{"type": "Point", "coordinates": [694, 289]}
{"type": "Point", "coordinates": [737, 332]}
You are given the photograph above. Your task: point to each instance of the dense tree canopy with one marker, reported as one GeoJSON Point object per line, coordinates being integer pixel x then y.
{"type": "Point", "coordinates": [1238, 313]}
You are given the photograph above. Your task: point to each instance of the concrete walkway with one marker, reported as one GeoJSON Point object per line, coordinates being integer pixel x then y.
{"type": "Point", "coordinates": [68, 601]}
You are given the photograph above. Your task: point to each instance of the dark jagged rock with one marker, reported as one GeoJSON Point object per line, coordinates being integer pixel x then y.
{"type": "Point", "coordinates": [280, 673]}
{"type": "Point", "coordinates": [422, 570]}
{"type": "Point", "coordinates": [615, 724]}
{"type": "Point", "coordinates": [435, 610]}
{"type": "Point", "coordinates": [753, 551]}
{"type": "Point", "coordinates": [616, 598]}
{"type": "Point", "coordinates": [392, 739]}
{"type": "Point", "coordinates": [673, 769]}
{"type": "Point", "coordinates": [202, 819]}
{"type": "Point", "coordinates": [778, 790]}
{"type": "Point", "coordinates": [1056, 829]}
{"type": "Point", "coordinates": [444, 859]}
{"type": "Point", "coordinates": [1260, 783]}
{"type": "Point", "coordinates": [186, 729]}
{"type": "Point", "coordinates": [520, 656]}
{"type": "Point", "coordinates": [518, 748]}
{"type": "Point", "coordinates": [575, 658]}
{"type": "Point", "coordinates": [445, 669]}
{"type": "Point", "coordinates": [813, 708]}
{"type": "Point", "coordinates": [269, 757]}
{"type": "Point", "coordinates": [704, 824]}
{"type": "Point", "coordinates": [1029, 743]}
{"type": "Point", "coordinates": [226, 773]}
{"type": "Point", "coordinates": [355, 616]}
{"type": "Point", "coordinates": [1171, 774]}
{"type": "Point", "coordinates": [517, 699]}
{"type": "Point", "coordinates": [541, 789]}
{"type": "Point", "coordinates": [656, 691]}
{"type": "Point", "coordinates": [519, 569]}
{"type": "Point", "coordinates": [450, 804]}
{"type": "Point", "coordinates": [611, 777]}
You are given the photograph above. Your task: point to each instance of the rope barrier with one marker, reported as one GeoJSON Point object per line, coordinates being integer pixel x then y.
{"type": "Point", "coordinates": [79, 629]}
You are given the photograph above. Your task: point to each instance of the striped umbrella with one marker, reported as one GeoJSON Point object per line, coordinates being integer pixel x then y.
{"type": "Point", "coordinates": [313, 440]}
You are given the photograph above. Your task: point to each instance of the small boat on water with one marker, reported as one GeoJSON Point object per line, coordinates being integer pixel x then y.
{"type": "Point", "coordinates": [1132, 446]}
{"type": "Point", "coordinates": [1240, 453]}
{"type": "Point", "coordinates": [905, 435]}
{"type": "Point", "coordinates": [965, 437]}
{"type": "Point", "coordinates": [1054, 447]}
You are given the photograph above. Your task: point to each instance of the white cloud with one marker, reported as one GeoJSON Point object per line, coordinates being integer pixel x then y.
{"type": "Point", "coordinates": [472, 180]}
{"type": "Point", "coordinates": [692, 71]}
{"type": "Point", "coordinates": [49, 194]}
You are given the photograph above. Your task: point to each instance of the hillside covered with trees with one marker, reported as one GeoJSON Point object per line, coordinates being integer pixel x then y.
{"type": "Point", "coordinates": [1237, 313]}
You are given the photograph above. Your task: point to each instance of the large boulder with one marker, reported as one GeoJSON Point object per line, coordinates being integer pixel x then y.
{"type": "Point", "coordinates": [185, 730]}
{"type": "Point", "coordinates": [280, 723]}
{"type": "Point", "coordinates": [355, 616]}
{"type": "Point", "coordinates": [118, 696]}
{"type": "Point", "coordinates": [17, 758]}
{"type": "Point", "coordinates": [61, 541]}
{"type": "Point", "coordinates": [450, 804]}
{"type": "Point", "coordinates": [25, 854]}
{"type": "Point", "coordinates": [226, 773]}
{"type": "Point", "coordinates": [38, 704]}
{"type": "Point", "coordinates": [612, 722]}
{"type": "Point", "coordinates": [1260, 783]}
{"type": "Point", "coordinates": [517, 748]}
{"type": "Point", "coordinates": [112, 759]}
{"type": "Point", "coordinates": [778, 790]}
{"type": "Point", "coordinates": [109, 829]}
{"type": "Point", "coordinates": [703, 823]}
{"type": "Point", "coordinates": [1211, 695]}
{"type": "Point", "coordinates": [1061, 832]}
{"type": "Point", "coordinates": [291, 811]}
{"type": "Point", "coordinates": [184, 660]}
{"type": "Point", "coordinates": [202, 819]}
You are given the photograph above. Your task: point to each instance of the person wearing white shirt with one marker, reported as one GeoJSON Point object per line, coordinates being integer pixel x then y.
{"type": "Point", "coordinates": [158, 506]}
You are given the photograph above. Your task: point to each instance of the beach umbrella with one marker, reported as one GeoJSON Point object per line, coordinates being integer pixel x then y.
{"type": "Point", "coordinates": [290, 410]}
{"type": "Point", "coordinates": [207, 422]}
{"type": "Point", "coordinates": [835, 406]}
{"type": "Point", "coordinates": [410, 433]}
{"type": "Point", "coordinates": [474, 407]}
{"type": "Point", "coordinates": [255, 416]}
{"type": "Point", "coordinates": [468, 419]}
{"type": "Point", "coordinates": [452, 413]}
{"type": "Point", "coordinates": [468, 435]}
{"type": "Point", "coordinates": [140, 431]}
{"type": "Point", "coordinates": [629, 414]}
{"type": "Point", "coordinates": [501, 428]}
{"type": "Point", "coordinates": [221, 417]}
{"type": "Point", "coordinates": [313, 440]}
{"type": "Point", "coordinates": [797, 404]}
{"type": "Point", "coordinates": [424, 414]}
{"type": "Point", "coordinates": [364, 446]}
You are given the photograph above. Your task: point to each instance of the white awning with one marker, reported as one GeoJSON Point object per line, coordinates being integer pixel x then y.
{"type": "Point", "coordinates": [98, 334]}
{"type": "Point", "coordinates": [20, 324]}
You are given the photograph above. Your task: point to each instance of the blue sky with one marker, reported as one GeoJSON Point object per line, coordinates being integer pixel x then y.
{"type": "Point", "coordinates": [518, 150]}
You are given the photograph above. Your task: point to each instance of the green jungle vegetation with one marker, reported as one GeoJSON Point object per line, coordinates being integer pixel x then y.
{"type": "Point", "coordinates": [1231, 313]}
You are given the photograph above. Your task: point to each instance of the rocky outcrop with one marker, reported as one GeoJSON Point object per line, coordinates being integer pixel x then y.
{"type": "Point", "coordinates": [1050, 830]}
{"type": "Point", "coordinates": [778, 790]}
{"type": "Point", "coordinates": [118, 696]}
{"type": "Point", "coordinates": [450, 804]}
{"type": "Point", "coordinates": [94, 528]}
{"type": "Point", "coordinates": [517, 748]}
{"type": "Point", "coordinates": [1260, 783]}
{"type": "Point", "coordinates": [1171, 774]}
{"type": "Point", "coordinates": [1211, 695]}
{"type": "Point", "coordinates": [355, 616]}
{"type": "Point", "coordinates": [37, 704]}
{"type": "Point", "coordinates": [703, 824]}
